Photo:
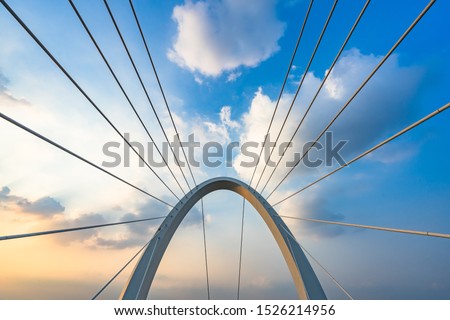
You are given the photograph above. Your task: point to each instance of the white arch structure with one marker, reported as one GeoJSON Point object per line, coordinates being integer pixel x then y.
{"type": "Point", "coordinates": [305, 280]}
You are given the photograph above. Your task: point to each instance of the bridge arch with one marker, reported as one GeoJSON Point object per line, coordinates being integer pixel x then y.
{"type": "Point", "coordinates": [305, 280]}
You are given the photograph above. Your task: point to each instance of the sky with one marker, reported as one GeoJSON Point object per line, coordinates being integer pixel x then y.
{"type": "Point", "coordinates": [222, 64]}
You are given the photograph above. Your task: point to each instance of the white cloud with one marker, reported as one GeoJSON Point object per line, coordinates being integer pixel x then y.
{"type": "Point", "coordinates": [218, 36]}
{"type": "Point", "coordinates": [198, 79]}
{"type": "Point", "coordinates": [382, 105]}
{"type": "Point", "coordinates": [225, 118]}
{"type": "Point", "coordinates": [6, 97]}
{"type": "Point", "coordinates": [45, 206]}
{"type": "Point", "coordinates": [349, 71]}
{"type": "Point", "coordinates": [380, 109]}
{"type": "Point", "coordinates": [207, 130]}
{"type": "Point", "coordinates": [256, 122]}
{"type": "Point", "coordinates": [233, 76]}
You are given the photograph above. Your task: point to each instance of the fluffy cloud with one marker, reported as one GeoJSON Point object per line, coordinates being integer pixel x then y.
{"type": "Point", "coordinates": [378, 111]}
{"type": "Point", "coordinates": [385, 102]}
{"type": "Point", "coordinates": [136, 234]}
{"type": "Point", "coordinates": [78, 236]}
{"type": "Point", "coordinates": [4, 193]}
{"type": "Point", "coordinates": [225, 118]}
{"type": "Point", "coordinates": [220, 131]}
{"type": "Point", "coordinates": [119, 237]}
{"type": "Point", "coordinates": [233, 76]}
{"type": "Point", "coordinates": [218, 36]}
{"type": "Point", "coordinates": [6, 97]}
{"type": "Point", "coordinates": [45, 206]}
{"type": "Point", "coordinates": [382, 105]}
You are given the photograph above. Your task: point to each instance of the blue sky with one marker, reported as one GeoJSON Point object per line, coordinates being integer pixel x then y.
{"type": "Point", "coordinates": [222, 64]}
